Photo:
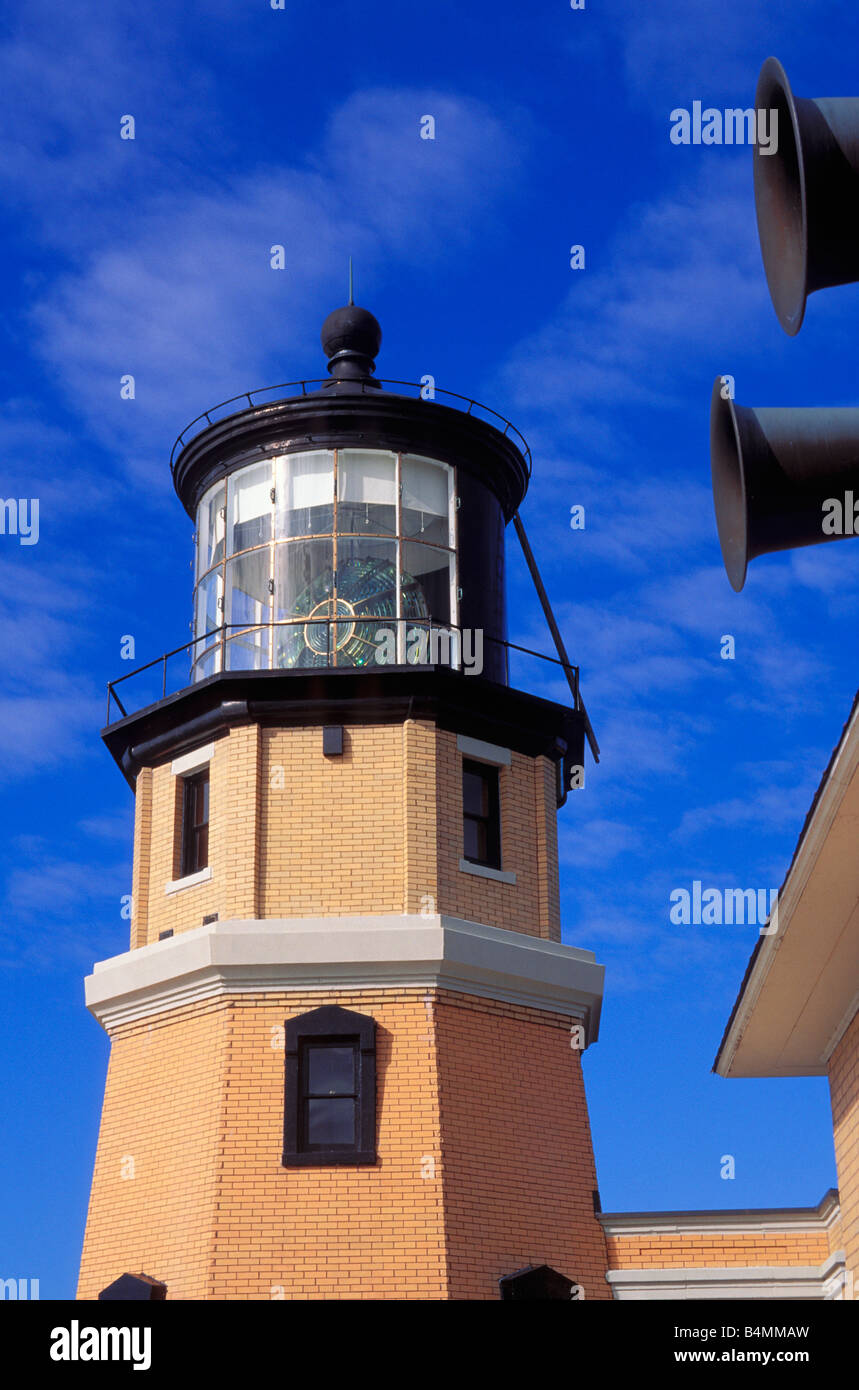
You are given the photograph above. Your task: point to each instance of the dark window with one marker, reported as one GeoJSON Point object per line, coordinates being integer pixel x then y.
{"type": "Point", "coordinates": [195, 823]}
{"type": "Point", "coordinates": [330, 1094]}
{"type": "Point", "coordinates": [481, 814]}
{"type": "Point", "coordinates": [538, 1281]}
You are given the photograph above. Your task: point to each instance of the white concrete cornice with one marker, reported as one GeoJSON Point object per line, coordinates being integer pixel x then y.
{"type": "Point", "coordinates": [807, 1282]}
{"type": "Point", "coordinates": [838, 1282]}
{"type": "Point", "coordinates": [371, 952]}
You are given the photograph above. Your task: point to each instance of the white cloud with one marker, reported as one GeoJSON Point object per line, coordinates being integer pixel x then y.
{"type": "Point", "coordinates": [595, 842]}
{"type": "Point", "coordinates": [109, 827]}
{"type": "Point", "coordinates": [47, 714]}
{"type": "Point", "coordinates": [777, 807]}
{"type": "Point", "coordinates": [713, 53]}
{"type": "Point", "coordinates": [187, 301]}
{"type": "Point", "coordinates": [39, 731]}
{"type": "Point", "coordinates": [677, 287]}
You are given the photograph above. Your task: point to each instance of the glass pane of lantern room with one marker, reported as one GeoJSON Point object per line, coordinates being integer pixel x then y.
{"type": "Point", "coordinates": [366, 492]}
{"type": "Point", "coordinates": [208, 663]}
{"type": "Point", "coordinates": [210, 528]}
{"type": "Point", "coordinates": [248, 602]}
{"type": "Point", "coordinates": [304, 489]}
{"type": "Point", "coordinates": [367, 575]}
{"type": "Point", "coordinates": [304, 588]}
{"type": "Point", "coordinates": [366, 598]}
{"type": "Point", "coordinates": [249, 507]}
{"type": "Point", "coordinates": [426, 501]}
{"type": "Point", "coordinates": [426, 582]}
{"type": "Point", "coordinates": [207, 616]}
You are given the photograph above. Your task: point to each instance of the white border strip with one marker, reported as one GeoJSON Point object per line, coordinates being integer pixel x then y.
{"type": "Point", "coordinates": [484, 752]}
{"type": "Point", "coordinates": [189, 762]}
{"type": "Point", "coordinates": [759, 1282]}
{"type": "Point", "coordinates": [189, 881]}
{"type": "Point", "coordinates": [390, 951]}
{"type": "Point", "coordinates": [484, 871]}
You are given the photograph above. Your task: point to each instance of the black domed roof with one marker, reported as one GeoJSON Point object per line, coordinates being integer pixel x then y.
{"type": "Point", "coordinates": [351, 338]}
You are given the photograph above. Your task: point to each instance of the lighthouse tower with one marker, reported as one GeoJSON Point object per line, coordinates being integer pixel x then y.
{"type": "Point", "coordinates": [346, 1038]}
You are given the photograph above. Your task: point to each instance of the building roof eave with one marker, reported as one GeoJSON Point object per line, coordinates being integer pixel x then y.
{"type": "Point", "coordinates": [762, 975]}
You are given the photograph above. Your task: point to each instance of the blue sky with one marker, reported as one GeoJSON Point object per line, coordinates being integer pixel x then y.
{"type": "Point", "coordinates": [301, 127]}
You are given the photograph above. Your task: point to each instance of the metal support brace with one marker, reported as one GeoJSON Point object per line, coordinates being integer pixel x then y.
{"type": "Point", "coordinates": [571, 673]}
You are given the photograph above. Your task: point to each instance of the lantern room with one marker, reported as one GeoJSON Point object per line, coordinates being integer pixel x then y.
{"type": "Point", "coordinates": [349, 526]}
{"type": "Point", "coordinates": [324, 557]}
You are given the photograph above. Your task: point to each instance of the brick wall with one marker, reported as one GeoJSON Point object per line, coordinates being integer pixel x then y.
{"type": "Point", "coordinates": [516, 1145]}
{"type": "Point", "coordinates": [844, 1093]}
{"type": "Point", "coordinates": [157, 818]}
{"type": "Point", "coordinates": [420, 817]}
{"type": "Point", "coordinates": [485, 1159]}
{"type": "Point", "coordinates": [328, 1233]}
{"type": "Point", "coordinates": [529, 847]}
{"type": "Point", "coordinates": [376, 830]}
{"type": "Point", "coordinates": [142, 867]}
{"type": "Point", "coordinates": [197, 1097]}
{"type": "Point", "coordinates": [154, 1189]}
{"type": "Point", "coordinates": [194, 1097]}
{"type": "Point", "coordinates": [332, 835]}
{"type": "Point", "coordinates": [717, 1249]}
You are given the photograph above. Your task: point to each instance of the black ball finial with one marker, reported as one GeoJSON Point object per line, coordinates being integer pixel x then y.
{"type": "Point", "coordinates": [351, 338]}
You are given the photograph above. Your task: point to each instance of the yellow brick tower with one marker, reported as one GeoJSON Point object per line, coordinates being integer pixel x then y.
{"type": "Point", "coordinates": [346, 1039]}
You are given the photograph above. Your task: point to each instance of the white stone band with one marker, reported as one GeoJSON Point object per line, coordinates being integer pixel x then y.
{"type": "Point", "coordinates": [484, 752]}
{"type": "Point", "coordinates": [808, 1282]}
{"type": "Point", "coordinates": [189, 762]}
{"type": "Point", "coordinates": [372, 952]}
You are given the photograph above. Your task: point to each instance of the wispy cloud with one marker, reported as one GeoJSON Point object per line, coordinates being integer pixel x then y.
{"type": "Point", "coordinates": [674, 289]}
{"type": "Point", "coordinates": [56, 911]}
{"type": "Point", "coordinates": [186, 299]}
{"type": "Point", "coordinates": [44, 709]}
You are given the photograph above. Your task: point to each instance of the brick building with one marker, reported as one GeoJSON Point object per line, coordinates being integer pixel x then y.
{"type": "Point", "coordinates": [346, 1038]}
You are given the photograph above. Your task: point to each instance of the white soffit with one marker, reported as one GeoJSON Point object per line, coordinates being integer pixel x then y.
{"type": "Point", "coordinates": [802, 988]}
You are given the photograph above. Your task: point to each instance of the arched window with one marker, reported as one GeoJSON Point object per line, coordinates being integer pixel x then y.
{"type": "Point", "coordinates": [330, 1089]}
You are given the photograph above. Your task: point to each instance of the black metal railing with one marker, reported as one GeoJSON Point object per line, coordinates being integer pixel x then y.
{"type": "Point", "coordinates": [424, 637]}
{"type": "Point", "coordinates": [296, 388]}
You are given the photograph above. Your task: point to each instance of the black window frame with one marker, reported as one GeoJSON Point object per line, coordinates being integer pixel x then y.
{"type": "Point", "coordinates": [329, 1025]}
{"type": "Point", "coordinates": [194, 830]}
{"type": "Point", "coordinates": [490, 774]}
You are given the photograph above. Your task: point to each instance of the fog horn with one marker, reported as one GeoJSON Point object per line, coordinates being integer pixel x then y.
{"type": "Point", "coordinates": [806, 194]}
{"type": "Point", "coordinates": [774, 471]}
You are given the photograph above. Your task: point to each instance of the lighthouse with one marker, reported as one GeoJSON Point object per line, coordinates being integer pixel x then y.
{"type": "Point", "coordinates": [346, 1038]}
